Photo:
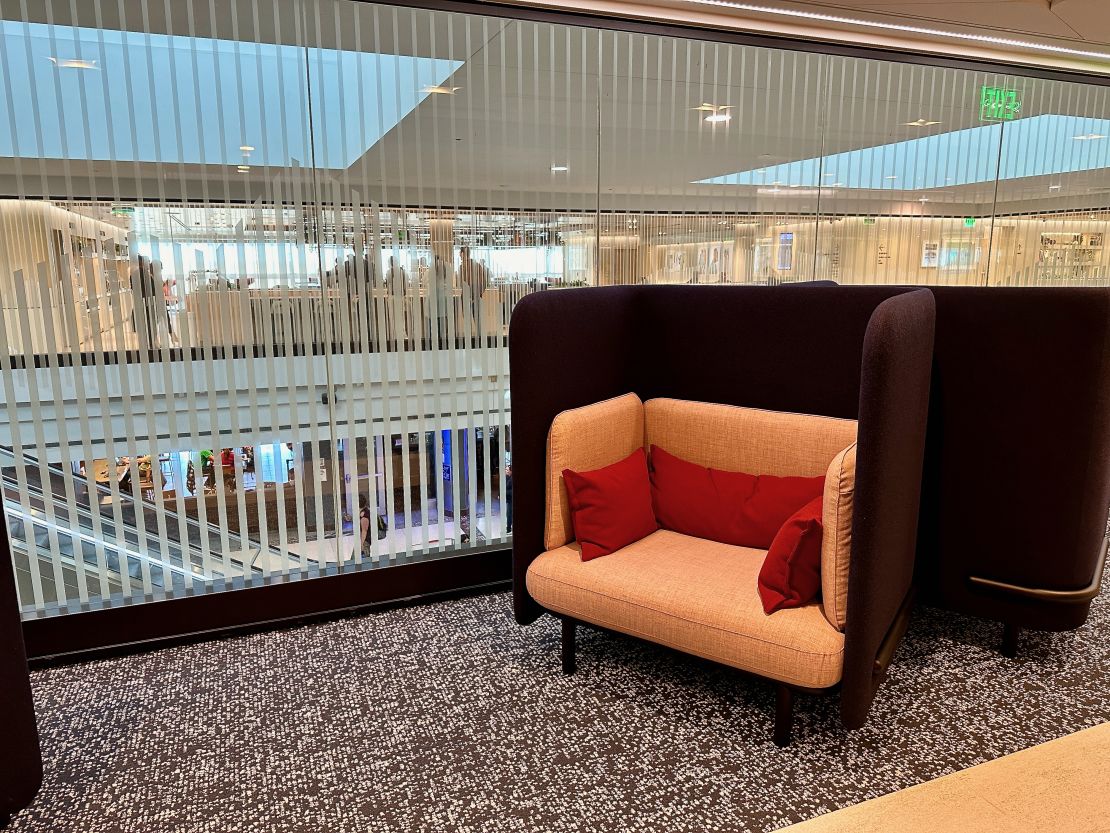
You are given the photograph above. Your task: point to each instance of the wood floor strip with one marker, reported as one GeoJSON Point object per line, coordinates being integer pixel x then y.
{"type": "Point", "coordinates": [1044, 789]}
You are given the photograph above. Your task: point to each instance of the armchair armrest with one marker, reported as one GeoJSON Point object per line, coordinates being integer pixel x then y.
{"type": "Point", "coordinates": [582, 439]}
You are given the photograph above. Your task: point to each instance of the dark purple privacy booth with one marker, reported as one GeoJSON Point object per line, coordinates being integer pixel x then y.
{"type": "Point", "coordinates": [1017, 472]}
{"type": "Point", "coordinates": [20, 761]}
{"type": "Point", "coordinates": [855, 353]}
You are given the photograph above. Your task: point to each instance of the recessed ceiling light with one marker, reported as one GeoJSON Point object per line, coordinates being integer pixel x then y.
{"type": "Point", "coordinates": [1054, 187]}
{"type": "Point", "coordinates": [830, 176]}
{"type": "Point", "coordinates": [800, 192]}
{"type": "Point", "coordinates": [72, 63]}
{"type": "Point", "coordinates": [246, 148]}
{"type": "Point", "coordinates": [919, 123]}
{"type": "Point", "coordinates": [1089, 137]}
{"type": "Point", "coordinates": [836, 185]}
{"type": "Point", "coordinates": [923, 199]}
{"type": "Point", "coordinates": [244, 168]}
{"type": "Point", "coordinates": [711, 108]}
{"type": "Point", "coordinates": [558, 169]}
{"type": "Point", "coordinates": [437, 90]}
{"type": "Point", "coordinates": [717, 118]}
{"type": "Point", "coordinates": [892, 176]}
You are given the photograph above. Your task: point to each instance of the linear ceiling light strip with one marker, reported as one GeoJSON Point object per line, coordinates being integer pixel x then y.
{"type": "Point", "coordinates": [904, 27]}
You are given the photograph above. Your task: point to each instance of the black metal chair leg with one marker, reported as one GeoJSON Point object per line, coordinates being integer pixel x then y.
{"type": "Point", "coordinates": [568, 645]}
{"type": "Point", "coordinates": [1011, 635]}
{"type": "Point", "coordinates": [784, 714]}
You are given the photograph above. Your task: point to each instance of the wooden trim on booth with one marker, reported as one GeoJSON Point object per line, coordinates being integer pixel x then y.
{"type": "Point", "coordinates": [145, 626]}
{"type": "Point", "coordinates": [1041, 594]}
{"type": "Point", "coordinates": [894, 636]}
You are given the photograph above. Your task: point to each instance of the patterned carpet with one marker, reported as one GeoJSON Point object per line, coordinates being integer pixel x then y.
{"type": "Point", "coordinates": [449, 717]}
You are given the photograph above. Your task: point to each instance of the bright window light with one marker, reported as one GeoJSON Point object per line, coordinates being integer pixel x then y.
{"type": "Point", "coordinates": [247, 74]}
{"type": "Point", "coordinates": [1034, 146]}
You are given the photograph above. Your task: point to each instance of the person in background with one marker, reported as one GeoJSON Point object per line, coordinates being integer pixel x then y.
{"type": "Point", "coordinates": [440, 301]}
{"type": "Point", "coordinates": [473, 279]}
{"type": "Point", "coordinates": [396, 279]}
{"type": "Point", "coordinates": [227, 463]}
{"type": "Point", "coordinates": [168, 298]}
{"type": "Point", "coordinates": [508, 498]}
{"type": "Point", "coordinates": [364, 518]}
{"type": "Point", "coordinates": [146, 292]}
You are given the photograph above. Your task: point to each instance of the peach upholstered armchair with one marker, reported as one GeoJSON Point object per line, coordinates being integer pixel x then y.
{"type": "Point", "coordinates": [769, 381]}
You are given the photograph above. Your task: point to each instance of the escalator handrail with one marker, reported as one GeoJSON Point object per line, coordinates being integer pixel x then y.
{"type": "Point", "coordinates": [101, 489]}
{"type": "Point", "coordinates": [116, 547]}
{"type": "Point", "coordinates": [117, 541]}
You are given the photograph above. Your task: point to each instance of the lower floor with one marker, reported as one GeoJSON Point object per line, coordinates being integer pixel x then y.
{"type": "Point", "coordinates": [451, 717]}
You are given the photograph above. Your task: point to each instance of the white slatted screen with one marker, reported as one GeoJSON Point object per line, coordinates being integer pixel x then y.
{"type": "Point", "coordinates": [258, 257]}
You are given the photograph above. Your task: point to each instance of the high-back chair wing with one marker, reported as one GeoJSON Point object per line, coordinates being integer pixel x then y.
{"type": "Point", "coordinates": [855, 354]}
{"type": "Point", "coordinates": [566, 349]}
{"type": "Point", "coordinates": [893, 409]}
{"type": "Point", "coordinates": [1017, 472]}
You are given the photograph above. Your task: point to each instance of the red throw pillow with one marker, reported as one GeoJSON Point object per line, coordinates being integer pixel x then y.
{"type": "Point", "coordinates": [791, 572]}
{"type": "Point", "coordinates": [610, 507]}
{"type": "Point", "coordinates": [732, 507]}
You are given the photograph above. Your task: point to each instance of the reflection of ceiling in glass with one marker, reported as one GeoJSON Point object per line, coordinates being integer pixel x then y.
{"type": "Point", "coordinates": [1034, 146]}
{"type": "Point", "coordinates": [76, 93]}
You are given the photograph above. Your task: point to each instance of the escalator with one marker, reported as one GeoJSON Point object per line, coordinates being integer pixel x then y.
{"type": "Point", "coordinates": [66, 549]}
{"type": "Point", "coordinates": [132, 508]}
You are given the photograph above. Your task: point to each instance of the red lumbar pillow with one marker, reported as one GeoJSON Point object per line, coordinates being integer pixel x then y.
{"type": "Point", "coordinates": [791, 572]}
{"type": "Point", "coordinates": [732, 507]}
{"type": "Point", "coordinates": [610, 507]}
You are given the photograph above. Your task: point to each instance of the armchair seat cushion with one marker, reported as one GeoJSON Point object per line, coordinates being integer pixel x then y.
{"type": "Point", "coordinates": [694, 595]}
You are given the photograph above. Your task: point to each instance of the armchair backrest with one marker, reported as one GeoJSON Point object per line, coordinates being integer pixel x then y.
{"type": "Point", "coordinates": [734, 438]}
{"type": "Point", "coordinates": [756, 441]}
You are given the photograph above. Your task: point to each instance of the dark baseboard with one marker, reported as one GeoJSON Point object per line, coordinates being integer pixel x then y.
{"type": "Point", "coordinates": [142, 627]}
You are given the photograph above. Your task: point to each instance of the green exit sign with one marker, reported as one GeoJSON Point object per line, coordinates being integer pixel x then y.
{"type": "Point", "coordinates": [969, 221]}
{"type": "Point", "coordinates": [998, 104]}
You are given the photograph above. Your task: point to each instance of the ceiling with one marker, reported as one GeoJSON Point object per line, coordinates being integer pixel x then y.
{"type": "Point", "coordinates": [1067, 35]}
{"type": "Point", "coordinates": [1064, 21]}
{"type": "Point", "coordinates": [617, 110]}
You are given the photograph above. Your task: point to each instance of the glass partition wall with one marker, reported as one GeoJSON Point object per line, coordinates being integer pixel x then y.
{"type": "Point", "coordinates": [258, 257]}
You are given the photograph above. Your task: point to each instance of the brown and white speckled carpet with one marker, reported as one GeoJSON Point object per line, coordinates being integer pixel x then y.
{"type": "Point", "coordinates": [450, 717]}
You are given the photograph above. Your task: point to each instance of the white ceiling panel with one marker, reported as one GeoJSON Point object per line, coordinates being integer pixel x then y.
{"type": "Point", "coordinates": [1082, 21]}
